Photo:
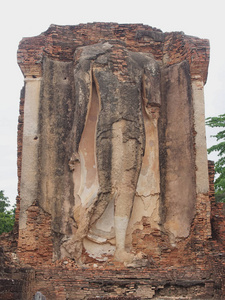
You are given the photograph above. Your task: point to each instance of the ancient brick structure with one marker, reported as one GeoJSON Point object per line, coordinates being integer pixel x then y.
{"type": "Point", "coordinates": [116, 197]}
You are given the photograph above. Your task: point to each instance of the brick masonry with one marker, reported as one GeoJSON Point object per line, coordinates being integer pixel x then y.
{"type": "Point", "coordinates": [60, 42]}
{"type": "Point", "coordinates": [194, 270]}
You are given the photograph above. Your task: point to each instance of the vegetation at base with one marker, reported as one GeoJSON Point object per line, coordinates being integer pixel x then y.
{"type": "Point", "coordinates": [7, 216]}
{"type": "Point", "coordinates": [219, 147]}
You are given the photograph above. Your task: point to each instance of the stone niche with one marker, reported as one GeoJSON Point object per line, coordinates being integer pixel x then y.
{"type": "Point", "coordinates": [114, 161]}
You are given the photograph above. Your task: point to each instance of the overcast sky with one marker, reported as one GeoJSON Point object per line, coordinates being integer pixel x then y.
{"type": "Point", "coordinates": [23, 18]}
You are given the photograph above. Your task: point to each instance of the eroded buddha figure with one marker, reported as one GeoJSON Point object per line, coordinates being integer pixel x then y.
{"type": "Point", "coordinates": [115, 91]}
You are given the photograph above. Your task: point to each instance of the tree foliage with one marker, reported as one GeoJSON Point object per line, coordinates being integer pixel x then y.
{"type": "Point", "coordinates": [7, 216]}
{"type": "Point", "coordinates": [219, 147]}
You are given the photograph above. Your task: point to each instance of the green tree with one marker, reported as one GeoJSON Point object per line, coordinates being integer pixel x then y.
{"type": "Point", "coordinates": [7, 216]}
{"type": "Point", "coordinates": [219, 147]}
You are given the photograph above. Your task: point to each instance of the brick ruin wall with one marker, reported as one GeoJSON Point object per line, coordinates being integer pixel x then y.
{"type": "Point", "coordinates": [195, 269]}
{"type": "Point", "coordinates": [60, 42]}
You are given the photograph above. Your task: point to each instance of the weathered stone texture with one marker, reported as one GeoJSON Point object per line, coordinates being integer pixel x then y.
{"type": "Point", "coordinates": [178, 142]}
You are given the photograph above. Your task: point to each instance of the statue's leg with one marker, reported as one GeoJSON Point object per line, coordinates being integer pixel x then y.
{"type": "Point", "coordinates": [104, 163]}
{"type": "Point", "coordinates": [126, 164]}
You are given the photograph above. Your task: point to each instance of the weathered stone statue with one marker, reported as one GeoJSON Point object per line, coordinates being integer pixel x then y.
{"type": "Point", "coordinates": [114, 198]}
{"type": "Point", "coordinates": [108, 135]}
{"type": "Point", "coordinates": [112, 152]}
